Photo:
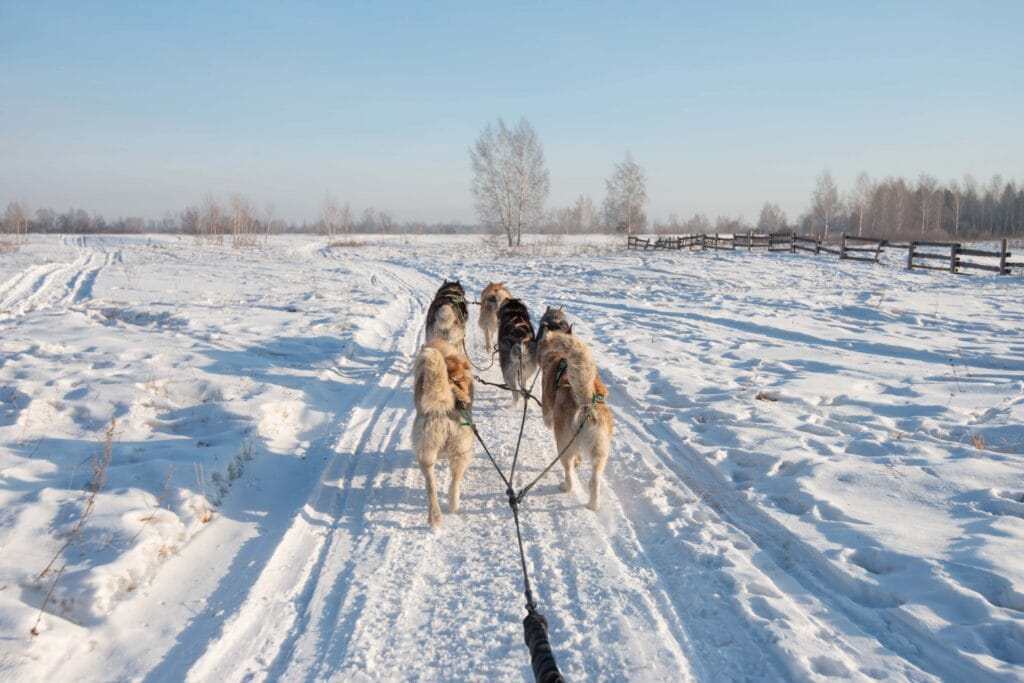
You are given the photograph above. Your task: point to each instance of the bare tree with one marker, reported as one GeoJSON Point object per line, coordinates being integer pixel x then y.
{"type": "Point", "coordinates": [861, 199]}
{"type": "Point", "coordinates": [268, 211]}
{"type": "Point", "coordinates": [772, 218]}
{"type": "Point", "coordinates": [346, 219]}
{"type": "Point", "coordinates": [584, 215]}
{"type": "Point", "coordinates": [243, 222]}
{"type": "Point", "coordinates": [627, 194]}
{"type": "Point", "coordinates": [385, 222]}
{"type": "Point", "coordinates": [510, 178]}
{"type": "Point", "coordinates": [16, 221]}
{"type": "Point", "coordinates": [698, 224]}
{"type": "Point", "coordinates": [330, 217]}
{"type": "Point", "coordinates": [368, 223]}
{"type": "Point", "coordinates": [211, 220]}
{"type": "Point", "coordinates": [825, 200]}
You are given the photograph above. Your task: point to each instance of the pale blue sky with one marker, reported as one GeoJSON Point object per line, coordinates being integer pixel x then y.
{"type": "Point", "coordinates": [137, 108]}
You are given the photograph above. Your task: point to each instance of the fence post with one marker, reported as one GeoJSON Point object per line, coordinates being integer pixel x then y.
{"type": "Point", "coordinates": [703, 241]}
{"type": "Point", "coordinates": [878, 249]}
{"type": "Point", "coordinates": [910, 255]}
{"type": "Point", "coordinates": [792, 242]}
{"type": "Point", "coordinates": [817, 245]}
{"type": "Point", "coordinates": [842, 246]}
{"type": "Point", "coordinates": [953, 249]}
{"type": "Point", "coordinates": [1002, 258]}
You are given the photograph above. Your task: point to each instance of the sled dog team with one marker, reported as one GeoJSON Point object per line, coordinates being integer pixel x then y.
{"type": "Point", "coordinates": [572, 393]}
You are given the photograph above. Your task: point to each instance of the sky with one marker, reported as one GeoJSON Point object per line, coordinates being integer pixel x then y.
{"type": "Point", "coordinates": [139, 108]}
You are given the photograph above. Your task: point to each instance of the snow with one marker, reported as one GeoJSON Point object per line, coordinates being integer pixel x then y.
{"type": "Point", "coordinates": [816, 472]}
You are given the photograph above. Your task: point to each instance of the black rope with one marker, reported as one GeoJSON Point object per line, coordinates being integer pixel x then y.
{"type": "Point", "coordinates": [507, 388]}
{"type": "Point", "coordinates": [522, 423]}
{"type": "Point", "coordinates": [535, 626]}
{"type": "Point", "coordinates": [526, 489]}
{"type": "Point", "coordinates": [475, 366]}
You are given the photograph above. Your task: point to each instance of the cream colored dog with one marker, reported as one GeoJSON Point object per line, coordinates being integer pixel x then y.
{"type": "Point", "coordinates": [491, 299]}
{"type": "Point", "coordinates": [574, 408]}
{"type": "Point", "coordinates": [442, 390]}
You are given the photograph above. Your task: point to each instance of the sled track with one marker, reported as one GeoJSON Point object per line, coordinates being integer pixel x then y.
{"type": "Point", "coordinates": [306, 579]}
{"type": "Point", "coordinates": [54, 285]}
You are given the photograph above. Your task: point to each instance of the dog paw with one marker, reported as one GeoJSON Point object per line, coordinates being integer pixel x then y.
{"type": "Point", "coordinates": [593, 505]}
{"type": "Point", "coordinates": [434, 518]}
{"type": "Point", "coordinates": [565, 486]}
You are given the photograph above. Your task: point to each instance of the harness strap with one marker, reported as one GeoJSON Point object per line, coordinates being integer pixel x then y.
{"type": "Point", "coordinates": [562, 366]}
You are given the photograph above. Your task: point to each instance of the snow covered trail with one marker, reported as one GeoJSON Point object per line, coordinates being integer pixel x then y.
{"type": "Point", "coordinates": [359, 587]}
{"type": "Point", "coordinates": [815, 474]}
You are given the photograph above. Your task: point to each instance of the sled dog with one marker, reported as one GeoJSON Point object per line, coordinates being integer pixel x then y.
{"type": "Point", "coordinates": [552, 320]}
{"type": "Point", "coordinates": [573, 406]}
{"type": "Point", "coordinates": [443, 389]}
{"type": "Point", "coordinates": [446, 317]}
{"type": "Point", "coordinates": [516, 346]}
{"type": "Point", "coordinates": [493, 296]}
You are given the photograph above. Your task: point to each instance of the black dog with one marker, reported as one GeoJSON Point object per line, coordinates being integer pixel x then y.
{"type": "Point", "coordinates": [446, 317]}
{"type": "Point", "coordinates": [517, 348]}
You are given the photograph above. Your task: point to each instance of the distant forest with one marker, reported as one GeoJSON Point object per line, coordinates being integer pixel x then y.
{"type": "Point", "coordinates": [892, 207]}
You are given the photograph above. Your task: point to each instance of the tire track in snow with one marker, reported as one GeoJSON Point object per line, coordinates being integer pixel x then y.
{"type": "Point", "coordinates": [261, 637]}
{"type": "Point", "coordinates": [54, 285]}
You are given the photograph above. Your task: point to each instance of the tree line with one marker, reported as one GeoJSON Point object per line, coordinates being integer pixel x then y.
{"type": "Point", "coordinates": [510, 187]}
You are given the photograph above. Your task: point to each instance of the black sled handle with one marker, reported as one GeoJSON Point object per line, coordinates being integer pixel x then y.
{"type": "Point", "coordinates": [535, 631]}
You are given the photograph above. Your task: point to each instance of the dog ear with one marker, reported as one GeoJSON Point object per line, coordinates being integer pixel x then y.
{"type": "Point", "coordinates": [569, 331]}
{"type": "Point", "coordinates": [561, 307]}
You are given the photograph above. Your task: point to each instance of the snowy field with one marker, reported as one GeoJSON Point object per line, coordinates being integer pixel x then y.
{"type": "Point", "coordinates": [817, 469]}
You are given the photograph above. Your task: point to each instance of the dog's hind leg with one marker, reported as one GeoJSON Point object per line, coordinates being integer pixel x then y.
{"type": "Point", "coordinates": [569, 457]}
{"type": "Point", "coordinates": [459, 460]}
{"type": "Point", "coordinates": [598, 459]}
{"type": "Point", "coordinates": [433, 508]}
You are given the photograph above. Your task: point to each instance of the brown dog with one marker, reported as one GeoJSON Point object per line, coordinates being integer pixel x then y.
{"type": "Point", "coordinates": [574, 407]}
{"type": "Point", "coordinates": [442, 391]}
{"type": "Point", "coordinates": [491, 299]}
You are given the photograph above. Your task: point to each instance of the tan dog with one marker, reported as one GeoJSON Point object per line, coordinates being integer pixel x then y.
{"type": "Point", "coordinates": [491, 299]}
{"type": "Point", "coordinates": [443, 388]}
{"type": "Point", "coordinates": [573, 401]}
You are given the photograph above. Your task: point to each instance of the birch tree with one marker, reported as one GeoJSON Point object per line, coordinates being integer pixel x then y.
{"type": "Point", "coordinates": [627, 194]}
{"type": "Point", "coordinates": [510, 178]}
{"type": "Point", "coordinates": [825, 200]}
{"type": "Point", "coordinates": [330, 217]}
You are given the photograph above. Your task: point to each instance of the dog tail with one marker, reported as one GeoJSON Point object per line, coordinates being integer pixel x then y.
{"type": "Point", "coordinates": [432, 393]}
{"type": "Point", "coordinates": [446, 313]}
{"type": "Point", "coordinates": [580, 369]}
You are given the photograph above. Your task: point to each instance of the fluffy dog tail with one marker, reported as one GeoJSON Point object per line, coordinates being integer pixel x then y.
{"type": "Point", "coordinates": [445, 314]}
{"type": "Point", "coordinates": [432, 393]}
{"type": "Point", "coordinates": [580, 370]}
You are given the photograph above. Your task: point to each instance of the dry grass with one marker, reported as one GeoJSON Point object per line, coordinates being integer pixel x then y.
{"type": "Point", "coordinates": [205, 514]}
{"type": "Point", "coordinates": [159, 501]}
{"type": "Point", "coordinates": [979, 441]}
{"type": "Point", "coordinates": [100, 464]}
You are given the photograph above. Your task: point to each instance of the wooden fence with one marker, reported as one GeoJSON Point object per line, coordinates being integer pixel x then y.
{"type": "Point", "coordinates": [920, 254]}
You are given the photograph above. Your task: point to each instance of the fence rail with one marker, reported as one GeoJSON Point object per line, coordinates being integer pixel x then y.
{"type": "Point", "coordinates": [848, 248]}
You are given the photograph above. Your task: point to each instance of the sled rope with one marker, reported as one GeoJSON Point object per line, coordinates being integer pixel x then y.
{"type": "Point", "coordinates": [535, 626]}
{"type": "Point", "coordinates": [475, 366]}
